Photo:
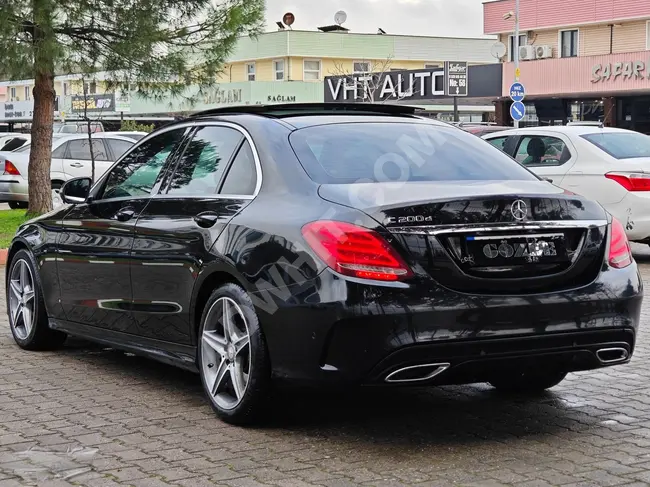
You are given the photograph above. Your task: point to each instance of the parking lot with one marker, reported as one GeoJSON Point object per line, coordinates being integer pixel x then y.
{"type": "Point", "coordinates": [96, 417]}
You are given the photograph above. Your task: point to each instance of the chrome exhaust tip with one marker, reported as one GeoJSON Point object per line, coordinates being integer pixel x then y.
{"type": "Point", "coordinates": [417, 373]}
{"type": "Point", "coordinates": [612, 355]}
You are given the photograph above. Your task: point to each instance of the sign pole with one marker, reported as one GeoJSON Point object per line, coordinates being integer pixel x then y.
{"type": "Point", "coordinates": [516, 43]}
{"type": "Point", "coordinates": [456, 117]}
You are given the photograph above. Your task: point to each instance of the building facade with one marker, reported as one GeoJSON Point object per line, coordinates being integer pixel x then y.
{"type": "Point", "coordinates": [290, 66]}
{"type": "Point", "coordinates": [589, 61]}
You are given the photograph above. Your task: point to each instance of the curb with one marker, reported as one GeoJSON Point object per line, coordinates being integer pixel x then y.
{"type": "Point", "coordinates": [3, 256]}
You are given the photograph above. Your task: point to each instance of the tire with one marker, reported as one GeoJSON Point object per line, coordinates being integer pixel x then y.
{"type": "Point", "coordinates": [528, 381]}
{"type": "Point", "coordinates": [27, 315]}
{"type": "Point", "coordinates": [17, 205]}
{"type": "Point", "coordinates": [236, 376]}
{"type": "Point", "coordinates": [57, 185]}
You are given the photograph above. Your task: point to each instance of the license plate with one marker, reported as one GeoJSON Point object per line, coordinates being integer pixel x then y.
{"type": "Point", "coordinates": [505, 250]}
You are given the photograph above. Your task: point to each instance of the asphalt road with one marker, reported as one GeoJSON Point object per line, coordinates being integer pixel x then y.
{"type": "Point", "coordinates": [89, 416]}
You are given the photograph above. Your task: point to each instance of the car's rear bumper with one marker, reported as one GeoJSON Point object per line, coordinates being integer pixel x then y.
{"type": "Point", "coordinates": [14, 189]}
{"type": "Point", "coordinates": [334, 331]}
{"type": "Point", "coordinates": [633, 212]}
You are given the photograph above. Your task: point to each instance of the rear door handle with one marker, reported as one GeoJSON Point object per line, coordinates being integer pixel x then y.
{"type": "Point", "coordinates": [206, 219]}
{"type": "Point", "coordinates": [125, 214]}
{"type": "Point", "coordinates": [76, 164]}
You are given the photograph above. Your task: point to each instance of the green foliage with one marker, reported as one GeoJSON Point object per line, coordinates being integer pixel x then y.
{"type": "Point", "coordinates": [133, 126]}
{"type": "Point", "coordinates": [10, 220]}
{"type": "Point", "coordinates": [160, 46]}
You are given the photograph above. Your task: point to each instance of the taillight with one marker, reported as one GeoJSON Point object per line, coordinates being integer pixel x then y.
{"type": "Point", "coordinates": [11, 169]}
{"type": "Point", "coordinates": [620, 254]}
{"type": "Point", "coordinates": [631, 181]}
{"type": "Point", "coordinates": [355, 251]}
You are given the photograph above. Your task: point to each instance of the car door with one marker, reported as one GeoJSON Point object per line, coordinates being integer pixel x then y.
{"type": "Point", "coordinates": [178, 227]}
{"type": "Point", "coordinates": [549, 155]}
{"type": "Point", "coordinates": [96, 237]}
{"type": "Point", "coordinates": [77, 161]}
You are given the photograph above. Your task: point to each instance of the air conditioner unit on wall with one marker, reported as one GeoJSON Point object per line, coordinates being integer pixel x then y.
{"type": "Point", "coordinates": [543, 52]}
{"type": "Point", "coordinates": [526, 53]}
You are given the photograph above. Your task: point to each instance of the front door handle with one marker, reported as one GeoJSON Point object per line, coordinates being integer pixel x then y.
{"type": "Point", "coordinates": [125, 214]}
{"type": "Point", "coordinates": [76, 164]}
{"type": "Point", "coordinates": [206, 219]}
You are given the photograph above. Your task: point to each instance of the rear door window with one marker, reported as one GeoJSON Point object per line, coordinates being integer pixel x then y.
{"type": "Point", "coordinates": [204, 161]}
{"type": "Point", "coordinates": [498, 142]}
{"type": "Point", "coordinates": [381, 152]}
{"type": "Point", "coordinates": [536, 150]}
{"type": "Point", "coordinates": [80, 149]}
{"type": "Point", "coordinates": [242, 176]}
{"type": "Point", "coordinates": [118, 147]}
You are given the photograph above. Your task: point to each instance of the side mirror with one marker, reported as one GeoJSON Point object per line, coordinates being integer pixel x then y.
{"type": "Point", "coordinates": [76, 190]}
{"type": "Point", "coordinates": [549, 180]}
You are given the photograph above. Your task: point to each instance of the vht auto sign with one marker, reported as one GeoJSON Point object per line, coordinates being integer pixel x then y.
{"type": "Point", "coordinates": [419, 84]}
{"type": "Point", "coordinates": [395, 85]}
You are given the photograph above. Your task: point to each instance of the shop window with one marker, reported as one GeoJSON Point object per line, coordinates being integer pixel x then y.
{"type": "Point", "coordinates": [523, 40]}
{"type": "Point", "coordinates": [569, 43]}
{"type": "Point", "coordinates": [542, 151]}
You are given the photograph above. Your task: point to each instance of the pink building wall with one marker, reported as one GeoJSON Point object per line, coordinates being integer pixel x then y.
{"type": "Point", "coordinates": [544, 14]}
{"type": "Point", "coordinates": [574, 76]}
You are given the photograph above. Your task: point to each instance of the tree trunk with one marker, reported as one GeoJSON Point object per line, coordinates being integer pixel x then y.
{"type": "Point", "coordinates": [40, 155]}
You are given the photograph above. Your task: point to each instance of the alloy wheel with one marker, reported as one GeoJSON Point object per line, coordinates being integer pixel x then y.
{"type": "Point", "coordinates": [225, 353]}
{"type": "Point", "coordinates": [22, 300]}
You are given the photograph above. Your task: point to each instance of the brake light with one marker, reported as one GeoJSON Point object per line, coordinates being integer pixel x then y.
{"type": "Point", "coordinates": [620, 253]}
{"type": "Point", "coordinates": [632, 181]}
{"type": "Point", "coordinates": [11, 169]}
{"type": "Point", "coordinates": [355, 251]}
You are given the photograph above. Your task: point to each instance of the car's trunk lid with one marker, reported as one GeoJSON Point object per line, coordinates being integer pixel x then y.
{"type": "Point", "coordinates": [487, 236]}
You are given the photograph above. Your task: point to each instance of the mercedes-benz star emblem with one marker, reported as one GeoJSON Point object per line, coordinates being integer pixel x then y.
{"type": "Point", "coordinates": [519, 210]}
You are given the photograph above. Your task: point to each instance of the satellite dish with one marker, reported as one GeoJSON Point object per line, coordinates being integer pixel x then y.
{"type": "Point", "coordinates": [288, 19]}
{"type": "Point", "coordinates": [340, 17]}
{"type": "Point", "coordinates": [498, 50]}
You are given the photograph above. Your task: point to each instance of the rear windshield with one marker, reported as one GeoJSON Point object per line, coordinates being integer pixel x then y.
{"type": "Point", "coordinates": [381, 152]}
{"type": "Point", "coordinates": [621, 145]}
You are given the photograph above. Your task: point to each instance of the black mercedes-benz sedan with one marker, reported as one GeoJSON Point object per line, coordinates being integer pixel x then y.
{"type": "Point", "coordinates": [328, 245]}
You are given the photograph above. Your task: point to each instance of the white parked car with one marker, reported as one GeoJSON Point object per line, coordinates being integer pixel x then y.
{"type": "Point", "coordinates": [130, 135]}
{"type": "Point", "coordinates": [609, 165]}
{"type": "Point", "coordinates": [70, 159]}
{"type": "Point", "coordinates": [14, 141]}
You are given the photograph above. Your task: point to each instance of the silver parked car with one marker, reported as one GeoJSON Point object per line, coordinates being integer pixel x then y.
{"type": "Point", "coordinates": [70, 159]}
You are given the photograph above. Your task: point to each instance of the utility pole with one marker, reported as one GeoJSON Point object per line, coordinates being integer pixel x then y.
{"type": "Point", "coordinates": [516, 43]}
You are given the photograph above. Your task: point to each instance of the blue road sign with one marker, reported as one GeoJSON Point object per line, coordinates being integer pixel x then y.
{"type": "Point", "coordinates": [517, 92]}
{"type": "Point", "coordinates": [517, 111]}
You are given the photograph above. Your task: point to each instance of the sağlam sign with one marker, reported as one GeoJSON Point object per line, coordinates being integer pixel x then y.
{"type": "Point", "coordinates": [224, 97]}
{"type": "Point", "coordinates": [624, 70]}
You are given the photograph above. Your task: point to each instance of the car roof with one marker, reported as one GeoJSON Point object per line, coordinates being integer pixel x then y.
{"type": "Point", "coordinates": [562, 129]}
{"type": "Point", "coordinates": [300, 115]}
{"type": "Point", "coordinates": [96, 135]}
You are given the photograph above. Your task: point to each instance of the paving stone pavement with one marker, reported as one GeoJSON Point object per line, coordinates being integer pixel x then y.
{"type": "Point", "coordinates": [99, 418]}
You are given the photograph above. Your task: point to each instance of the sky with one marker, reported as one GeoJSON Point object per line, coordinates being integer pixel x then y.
{"type": "Point", "coordinates": [453, 18]}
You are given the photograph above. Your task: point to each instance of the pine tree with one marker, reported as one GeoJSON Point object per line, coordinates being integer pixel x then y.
{"type": "Point", "coordinates": [165, 48]}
